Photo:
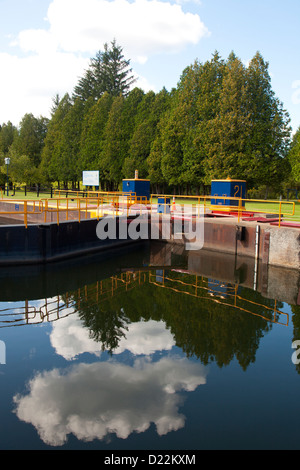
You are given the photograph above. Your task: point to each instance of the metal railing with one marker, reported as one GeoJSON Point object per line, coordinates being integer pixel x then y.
{"type": "Point", "coordinates": [61, 306]}
{"type": "Point", "coordinates": [202, 288]}
{"type": "Point", "coordinates": [225, 204]}
{"type": "Point", "coordinates": [76, 208]}
{"type": "Point", "coordinates": [97, 204]}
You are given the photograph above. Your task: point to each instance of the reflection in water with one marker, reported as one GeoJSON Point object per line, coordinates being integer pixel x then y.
{"type": "Point", "coordinates": [70, 339]}
{"type": "Point", "coordinates": [118, 399]}
{"type": "Point", "coordinates": [167, 319]}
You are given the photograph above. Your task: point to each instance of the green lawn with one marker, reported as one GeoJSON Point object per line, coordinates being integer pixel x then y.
{"type": "Point", "coordinates": [21, 195]}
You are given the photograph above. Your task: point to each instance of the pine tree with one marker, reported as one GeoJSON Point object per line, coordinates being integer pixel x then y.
{"type": "Point", "coordinates": [8, 133]}
{"type": "Point", "coordinates": [31, 137]}
{"type": "Point", "coordinates": [108, 72]}
{"type": "Point", "coordinates": [51, 154]}
{"type": "Point", "coordinates": [270, 134]}
{"type": "Point", "coordinates": [228, 144]}
{"type": "Point", "coordinates": [294, 157]}
{"type": "Point", "coordinates": [92, 136]}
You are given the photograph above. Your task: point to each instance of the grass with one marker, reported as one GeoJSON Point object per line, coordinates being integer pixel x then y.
{"type": "Point", "coordinates": [20, 195]}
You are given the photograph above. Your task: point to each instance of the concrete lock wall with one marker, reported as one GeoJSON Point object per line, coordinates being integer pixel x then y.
{"type": "Point", "coordinates": [274, 246]}
{"type": "Point", "coordinates": [50, 242]}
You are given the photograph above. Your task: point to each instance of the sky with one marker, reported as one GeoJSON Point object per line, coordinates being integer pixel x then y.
{"type": "Point", "coordinates": [46, 45]}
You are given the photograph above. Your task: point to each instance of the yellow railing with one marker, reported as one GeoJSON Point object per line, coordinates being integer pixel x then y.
{"type": "Point", "coordinates": [192, 285]}
{"type": "Point", "coordinates": [229, 297]}
{"type": "Point", "coordinates": [29, 208]}
{"type": "Point", "coordinates": [75, 208]}
{"type": "Point", "coordinates": [98, 204]}
{"type": "Point", "coordinates": [226, 204]}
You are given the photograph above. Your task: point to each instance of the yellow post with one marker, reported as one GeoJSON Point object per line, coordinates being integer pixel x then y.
{"type": "Point", "coordinates": [239, 209]}
{"type": "Point", "coordinates": [57, 212]}
{"type": "Point", "coordinates": [46, 210]}
{"type": "Point", "coordinates": [279, 213]}
{"type": "Point", "coordinates": [25, 213]}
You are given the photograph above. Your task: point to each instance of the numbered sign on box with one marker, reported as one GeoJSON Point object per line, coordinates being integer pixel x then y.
{"type": "Point", "coordinates": [228, 192]}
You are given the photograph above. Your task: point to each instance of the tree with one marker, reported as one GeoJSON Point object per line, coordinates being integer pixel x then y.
{"type": "Point", "coordinates": [148, 115]}
{"type": "Point", "coordinates": [294, 157]}
{"type": "Point", "coordinates": [117, 135]}
{"type": "Point", "coordinates": [110, 163]}
{"type": "Point", "coordinates": [51, 153]}
{"type": "Point", "coordinates": [8, 133]}
{"type": "Point", "coordinates": [108, 72]}
{"type": "Point", "coordinates": [270, 132]}
{"type": "Point", "coordinates": [31, 137]}
{"type": "Point", "coordinates": [92, 136]}
{"type": "Point", "coordinates": [69, 146]}
{"type": "Point", "coordinates": [227, 149]}
{"type": "Point", "coordinates": [21, 169]}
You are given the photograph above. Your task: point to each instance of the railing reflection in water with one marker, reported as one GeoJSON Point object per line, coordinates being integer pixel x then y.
{"type": "Point", "coordinates": [180, 281]}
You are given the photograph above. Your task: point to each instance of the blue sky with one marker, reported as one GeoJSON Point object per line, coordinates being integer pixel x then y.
{"type": "Point", "coordinates": [45, 45]}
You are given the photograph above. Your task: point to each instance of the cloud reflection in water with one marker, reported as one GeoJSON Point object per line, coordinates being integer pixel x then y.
{"type": "Point", "coordinates": [94, 400]}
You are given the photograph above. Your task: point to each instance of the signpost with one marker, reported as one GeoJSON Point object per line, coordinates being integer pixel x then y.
{"type": "Point", "coordinates": [7, 162]}
{"type": "Point", "coordinates": [90, 178]}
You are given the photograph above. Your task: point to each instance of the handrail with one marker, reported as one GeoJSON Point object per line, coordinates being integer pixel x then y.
{"type": "Point", "coordinates": [108, 203]}
{"type": "Point", "coordinates": [37, 208]}
{"type": "Point", "coordinates": [238, 204]}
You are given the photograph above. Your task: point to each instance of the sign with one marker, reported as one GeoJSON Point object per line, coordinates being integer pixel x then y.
{"type": "Point", "coordinates": [90, 178]}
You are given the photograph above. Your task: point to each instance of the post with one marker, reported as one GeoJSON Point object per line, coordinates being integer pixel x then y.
{"type": "Point", "coordinates": [7, 162]}
{"type": "Point", "coordinates": [279, 213]}
{"type": "Point", "coordinates": [239, 209]}
{"type": "Point", "coordinates": [25, 213]}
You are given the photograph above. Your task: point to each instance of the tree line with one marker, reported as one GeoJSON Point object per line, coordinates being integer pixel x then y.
{"type": "Point", "coordinates": [222, 120]}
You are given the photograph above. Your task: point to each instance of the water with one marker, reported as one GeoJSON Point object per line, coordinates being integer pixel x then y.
{"type": "Point", "coordinates": [148, 348]}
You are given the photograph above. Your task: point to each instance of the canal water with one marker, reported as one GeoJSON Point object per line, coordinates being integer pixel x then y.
{"type": "Point", "coordinates": [149, 347]}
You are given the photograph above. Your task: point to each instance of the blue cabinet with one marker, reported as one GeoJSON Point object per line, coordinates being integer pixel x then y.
{"type": "Point", "coordinates": [163, 205]}
{"type": "Point", "coordinates": [226, 189]}
{"type": "Point", "coordinates": [138, 186]}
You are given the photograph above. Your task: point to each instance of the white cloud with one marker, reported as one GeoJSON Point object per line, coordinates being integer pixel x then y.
{"type": "Point", "coordinates": [146, 337]}
{"type": "Point", "coordinates": [70, 339]}
{"type": "Point", "coordinates": [142, 27]}
{"type": "Point", "coordinates": [93, 400]}
{"type": "Point", "coordinates": [53, 58]}
{"type": "Point", "coordinates": [28, 84]}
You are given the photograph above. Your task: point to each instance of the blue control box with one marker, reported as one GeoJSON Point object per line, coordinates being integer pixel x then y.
{"type": "Point", "coordinates": [229, 189]}
{"type": "Point", "coordinates": [138, 186]}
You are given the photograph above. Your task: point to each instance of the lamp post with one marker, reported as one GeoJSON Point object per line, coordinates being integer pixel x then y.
{"type": "Point", "coordinates": [7, 162]}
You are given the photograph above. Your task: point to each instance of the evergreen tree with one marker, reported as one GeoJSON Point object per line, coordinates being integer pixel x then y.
{"type": "Point", "coordinates": [108, 72]}
{"type": "Point", "coordinates": [149, 113]}
{"type": "Point", "coordinates": [69, 145]}
{"type": "Point", "coordinates": [294, 158]}
{"type": "Point", "coordinates": [270, 132]}
{"type": "Point", "coordinates": [117, 135]}
{"type": "Point", "coordinates": [50, 163]}
{"type": "Point", "coordinates": [110, 163]}
{"type": "Point", "coordinates": [92, 136]}
{"type": "Point", "coordinates": [227, 149]}
{"type": "Point", "coordinates": [31, 137]}
{"type": "Point", "coordinates": [8, 133]}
